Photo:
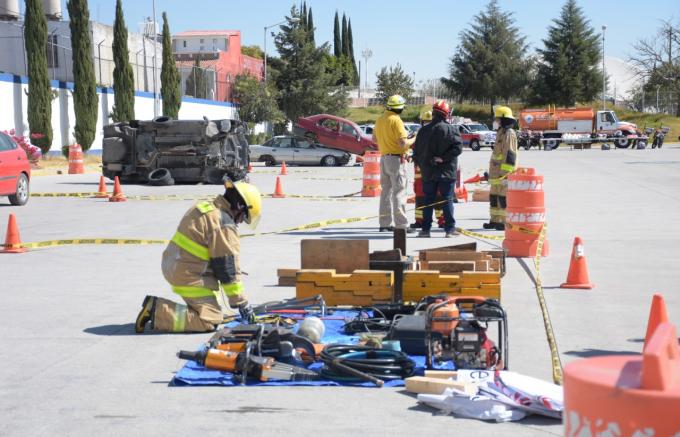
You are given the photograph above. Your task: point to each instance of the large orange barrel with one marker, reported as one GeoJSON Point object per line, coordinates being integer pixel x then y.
{"type": "Point", "coordinates": [626, 396]}
{"type": "Point", "coordinates": [525, 214]}
{"type": "Point", "coordinates": [371, 185]}
{"type": "Point", "coordinates": [75, 159]}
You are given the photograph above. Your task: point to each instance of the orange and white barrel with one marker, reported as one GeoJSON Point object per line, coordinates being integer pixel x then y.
{"type": "Point", "coordinates": [76, 163]}
{"type": "Point", "coordinates": [371, 184]}
{"type": "Point", "coordinates": [525, 214]}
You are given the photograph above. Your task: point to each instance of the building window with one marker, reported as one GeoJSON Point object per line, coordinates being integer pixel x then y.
{"type": "Point", "coordinates": [202, 48]}
{"type": "Point", "coordinates": [52, 52]}
{"type": "Point", "coordinates": [184, 44]}
{"type": "Point", "coordinates": [201, 40]}
{"type": "Point", "coordinates": [214, 41]}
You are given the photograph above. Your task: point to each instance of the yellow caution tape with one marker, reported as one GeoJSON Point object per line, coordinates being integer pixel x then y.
{"type": "Point", "coordinates": [344, 197]}
{"type": "Point", "coordinates": [518, 228]}
{"type": "Point", "coordinates": [78, 241]}
{"type": "Point", "coordinates": [554, 353]}
{"type": "Point", "coordinates": [81, 195]}
{"type": "Point", "coordinates": [478, 235]}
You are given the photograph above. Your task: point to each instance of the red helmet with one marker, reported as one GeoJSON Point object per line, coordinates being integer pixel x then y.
{"type": "Point", "coordinates": [442, 107]}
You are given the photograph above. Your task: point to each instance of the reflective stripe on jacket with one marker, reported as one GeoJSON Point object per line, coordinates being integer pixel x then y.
{"type": "Point", "coordinates": [504, 155]}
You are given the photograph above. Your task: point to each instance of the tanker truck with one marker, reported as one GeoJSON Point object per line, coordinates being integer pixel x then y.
{"type": "Point", "coordinates": [582, 126]}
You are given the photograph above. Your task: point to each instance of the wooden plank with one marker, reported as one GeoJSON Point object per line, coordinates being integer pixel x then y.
{"type": "Point", "coordinates": [482, 265]}
{"type": "Point", "coordinates": [287, 282]}
{"type": "Point", "coordinates": [344, 256]}
{"type": "Point", "coordinates": [455, 247]}
{"type": "Point", "coordinates": [386, 255]}
{"type": "Point", "coordinates": [495, 265]}
{"type": "Point", "coordinates": [286, 273]}
{"type": "Point", "coordinates": [473, 279]}
{"type": "Point", "coordinates": [436, 386]}
{"type": "Point", "coordinates": [450, 266]}
{"type": "Point", "coordinates": [441, 374]}
{"type": "Point", "coordinates": [399, 240]}
{"type": "Point", "coordinates": [452, 256]}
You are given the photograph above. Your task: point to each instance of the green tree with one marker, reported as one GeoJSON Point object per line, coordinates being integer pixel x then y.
{"type": "Point", "coordinates": [303, 15]}
{"type": "Point", "coordinates": [343, 36]}
{"type": "Point", "coordinates": [123, 78]}
{"type": "Point", "coordinates": [337, 40]}
{"type": "Point", "coordinates": [253, 51]}
{"type": "Point", "coordinates": [568, 69]}
{"type": "Point", "coordinates": [171, 91]}
{"type": "Point", "coordinates": [256, 103]}
{"type": "Point", "coordinates": [304, 84]}
{"type": "Point", "coordinates": [85, 101]}
{"type": "Point", "coordinates": [489, 63]}
{"type": "Point", "coordinates": [350, 43]}
{"type": "Point", "coordinates": [197, 81]}
{"type": "Point", "coordinates": [340, 69]}
{"type": "Point", "coordinates": [310, 26]}
{"type": "Point", "coordinates": [393, 80]}
{"type": "Point", "coordinates": [39, 89]}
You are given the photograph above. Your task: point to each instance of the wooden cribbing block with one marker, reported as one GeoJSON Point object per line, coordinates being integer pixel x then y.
{"type": "Point", "coordinates": [495, 265]}
{"type": "Point", "coordinates": [448, 266]}
{"type": "Point", "coordinates": [482, 265]}
{"type": "Point", "coordinates": [489, 291]}
{"type": "Point", "coordinates": [286, 273]}
{"type": "Point", "coordinates": [441, 374]}
{"type": "Point", "coordinates": [287, 282]}
{"type": "Point", "coordinates": [436, 386]}
{"type": "Point", "coordinates": [473, 279]}
{"type": "Point", "coordinates": [451, 256]}
{"type": "Point", "coordinates": [344, 256]}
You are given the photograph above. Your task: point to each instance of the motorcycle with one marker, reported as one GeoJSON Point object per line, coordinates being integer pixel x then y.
{"type": "Point", "coordinates": [528, 139]}
{"type": "Point", "coordinates": [659, 135]}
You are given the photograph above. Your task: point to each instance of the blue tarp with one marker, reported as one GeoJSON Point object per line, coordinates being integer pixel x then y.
{"type": "Point", "coordinates": [194, 374]}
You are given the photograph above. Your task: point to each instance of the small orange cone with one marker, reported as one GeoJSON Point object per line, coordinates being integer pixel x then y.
{"type": "Point", "coordinates": [12, 240]}
{"type": "Point", "coordinates": [250, 168]}
{"type": "Point", "coordinates": [657, 316]}
{"type": "Point", "coordinates": [118, 195]}
{"type": "Point", "coordinates": [101, 193]}
{"type": "Point", "coordinates": [284, 170]}
{"type": "Point", "coordinates": [578, 269]}
{"type": "Point", "coordinates": [278, 191]}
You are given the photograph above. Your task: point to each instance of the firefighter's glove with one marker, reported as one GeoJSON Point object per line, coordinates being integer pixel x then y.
{"type": "Point", "coordinates": [246, 312]}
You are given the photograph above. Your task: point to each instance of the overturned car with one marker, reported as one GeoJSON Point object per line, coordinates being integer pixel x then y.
{"type": "Point", "coordinates": [163, 151]}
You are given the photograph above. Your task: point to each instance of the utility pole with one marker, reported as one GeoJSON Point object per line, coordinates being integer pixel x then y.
{"type": "Point", "coordinates": [359, 95]}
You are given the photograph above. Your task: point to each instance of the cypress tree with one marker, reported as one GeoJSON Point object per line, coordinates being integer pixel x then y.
{"type": "Point", "coordinates": [85, 100]}
{"type": "Point", "coordinates": [337, 41]}
{"type": "Point", "coordinates": [303, 15]}
{"type": "Point", "coordinates": [310, 27]}
{"type": "Point", "coordinates": [350, 43]}
{"type": "Point", "coordinates": [345, 41]}
{"type": "Point", "coordinates": [170, 79]}
{"type": "Point", "coordinates": [123, 78]}
{"type": "Point", "coordinates": [569, 68]}
{"type": "Point", "coordinates": [39, 90]}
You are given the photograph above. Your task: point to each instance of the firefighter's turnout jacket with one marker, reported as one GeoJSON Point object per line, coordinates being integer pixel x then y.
{"type": "Point", "coordinates": [503, 161]}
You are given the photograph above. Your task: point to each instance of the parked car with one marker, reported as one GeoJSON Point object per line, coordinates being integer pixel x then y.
{"type": "Point", "coordinates": [15, 171]}
{"type": "Point", "coordinates": [412, 128]}
{"type": "Point", "coordinates": [367, 129]}
{"type": "Point", "coordinates": [298, 151]}
{"type": "Point", "coordinates": [334, 132]}
{"type": "Point", "coordinates": [476, 135]}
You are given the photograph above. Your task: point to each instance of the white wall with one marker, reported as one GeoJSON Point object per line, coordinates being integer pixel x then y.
{"type": "Point", "coordinates": [194, 45]}
{"type": "Point", "coordinates": [13, 115]}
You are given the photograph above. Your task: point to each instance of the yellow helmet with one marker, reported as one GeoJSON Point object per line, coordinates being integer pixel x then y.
{"type": "Point", "coordinates": [503, 112]}
{"type": "Point", "coordinates": [252, 198]}
{"type": "Point", "coordinates": [396, 102]}
{"type": "Point", "coordinates": [426, 116]}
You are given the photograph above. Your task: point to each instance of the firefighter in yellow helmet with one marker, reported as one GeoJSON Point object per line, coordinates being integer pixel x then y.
{"type": "Point", "coordinates": [202, 261]}
{"type": "Point", "coordinates": [503, 162]}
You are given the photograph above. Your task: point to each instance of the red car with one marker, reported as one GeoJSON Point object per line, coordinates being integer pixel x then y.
{"type": "Point", "coordinates": [334, 132]}
{"type": "Point", "coordinates": [15, 171]}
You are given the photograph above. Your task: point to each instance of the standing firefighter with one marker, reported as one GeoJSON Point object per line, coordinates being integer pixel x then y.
{"type": "Point", "coordinates": [201, 261]}
{"type": "Point", "coordinates": [503, 162]}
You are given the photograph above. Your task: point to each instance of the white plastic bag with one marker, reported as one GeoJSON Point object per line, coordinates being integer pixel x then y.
{"type": "Point", "coordinates": [473, 407]}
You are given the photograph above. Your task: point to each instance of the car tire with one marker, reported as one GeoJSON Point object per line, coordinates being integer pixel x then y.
{"type": "Point", "coordinates": [474, 145]}
{"type": "Point", "coordinates": [22, 193]}
{"type": "Point", "coordinates": [551, 144]}
{"type": "Point", "coordinates": [329, 161]}
{"type": "Point", "coordinates": [269, 161]}
{"type": "Point", "coordinates": [622, 143]}
{"type": "Point", "coordinates": [160, 177]}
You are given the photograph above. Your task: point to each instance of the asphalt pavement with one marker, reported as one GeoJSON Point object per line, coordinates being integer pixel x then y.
{"type": "Point", "coordinates": [71, 364]}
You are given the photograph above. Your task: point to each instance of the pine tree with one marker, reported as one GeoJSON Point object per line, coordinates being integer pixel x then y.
{"type": "Point", "coordinates": [85, 99]}
{"type": "Point", "coordinates": [489, 63]}
{"type": "Point", "coordinates": [196, 82]}
{"type": "Point", "coordinates": [337, 41]}
{"type": "Point", "coordinates": [123, 77]}
{"type": "Point", "coordinates": [303, 82]}
{"type": "Point", "coordinates": [393, 80]}
{"type": "Point", "coordinates": [39, 89]}
{"type": "Point", "coordinates": [350, 43]}
{"type": "Point", "coordinates": [310, 27]}
{"type": "Point", "coordinates": [345, 41]}
{"type": "Point", "coordinates": [568, 69]}
{"type": "Point", "coordinates": [171, 92]}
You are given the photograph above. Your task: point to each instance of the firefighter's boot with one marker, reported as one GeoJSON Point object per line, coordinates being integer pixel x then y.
{"type": "Point", "coordinates": [145, 314]}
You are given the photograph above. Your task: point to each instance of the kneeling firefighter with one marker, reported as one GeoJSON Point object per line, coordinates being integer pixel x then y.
{"type": "Point", "coordinates": [201, 261]}
{"type": "Point", "coordinates": [503, 162]}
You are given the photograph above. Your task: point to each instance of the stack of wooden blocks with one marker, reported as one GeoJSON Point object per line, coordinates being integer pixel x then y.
{"type": "Point", "coordinates": [361, 288]}
{"type": "Point", "coordinates": [421, 283]}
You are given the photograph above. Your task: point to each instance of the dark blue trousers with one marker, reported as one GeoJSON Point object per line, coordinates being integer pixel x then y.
{"type": "Point", "coordinates": [445, 189]}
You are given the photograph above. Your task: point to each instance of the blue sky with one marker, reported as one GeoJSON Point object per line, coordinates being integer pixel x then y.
{"type": "Point", "coordinates": [422, 36]}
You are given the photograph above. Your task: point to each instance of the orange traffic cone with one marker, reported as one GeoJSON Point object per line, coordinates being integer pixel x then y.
{"type": "Point", "coordinates": [101, 193]}
{"type": "Point", "coordinates": [657, 316]}
{"type": "Point", "coordinates": [578, 269]}
{"type": "Point", "coordinates": [250, 168]}
{"type": "Point", "coordinates": [12, 240]}
{"type": "Point", "coordinates": [284, 170]}
{"type": "Point", "coordinates": [473, 180]}
{"type": "Point", "coordinates": [278, 191]}
{"type": "Point", "coordinates": [118, 195]}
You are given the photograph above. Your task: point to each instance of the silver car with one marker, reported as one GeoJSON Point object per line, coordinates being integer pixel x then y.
{"type": "Point", "coordinates": [298, 151]}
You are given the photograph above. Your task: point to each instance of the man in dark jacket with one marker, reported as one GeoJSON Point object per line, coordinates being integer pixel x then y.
{"type": "Point", "coordinates": [436, 152]}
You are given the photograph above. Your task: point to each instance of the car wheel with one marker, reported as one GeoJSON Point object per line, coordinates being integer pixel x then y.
{"type": "Point", "coordinates": [474, 145]}
{"type": "Point", "coordinates": [160, 177]}
{"type": "Point", "coordinates": [329, 161]}
{"type": "Point", "coordinates": [622, 143]}
{"type": "Point", "coordinates": [20, 197]}
{"type": "Point", "coordinates": [311, 136]}
{"type": "Point", "coordinates": [269, 161]}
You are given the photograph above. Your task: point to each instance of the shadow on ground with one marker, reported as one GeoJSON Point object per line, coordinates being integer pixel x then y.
{"type": "Point", "coordinates": [588, 353]}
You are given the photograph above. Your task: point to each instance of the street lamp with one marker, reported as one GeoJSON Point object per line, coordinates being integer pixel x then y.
{"type": "Point", "coordinates": [366, 53]}
{"type": "Point", "coordinates": [292, 20]}
{"type": "Point", "coordinates": [604, 74]}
